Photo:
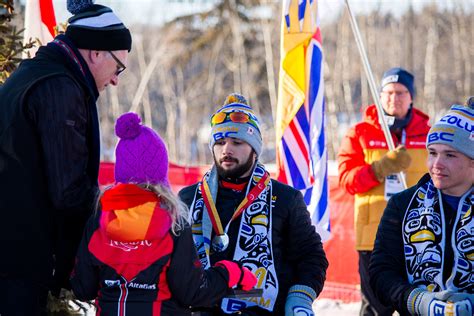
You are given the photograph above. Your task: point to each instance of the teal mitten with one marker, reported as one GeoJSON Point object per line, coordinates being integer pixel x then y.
{"type": "Point", "coordinates": [299, 301]}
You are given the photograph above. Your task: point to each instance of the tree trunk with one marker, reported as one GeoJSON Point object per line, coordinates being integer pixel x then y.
{"type": "Point", "coordinates": [272, 92]}
{"type": "Point", "coordinates": [146, 97]}
{"type": "Point", "coordinates": [431, 69]}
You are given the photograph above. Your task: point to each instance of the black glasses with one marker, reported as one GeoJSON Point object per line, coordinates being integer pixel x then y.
{"type": "Point", "coordinates": [120, 66]}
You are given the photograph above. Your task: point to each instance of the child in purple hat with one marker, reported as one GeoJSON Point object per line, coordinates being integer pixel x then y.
{"type": "Point", "coordinates": [137, 254]}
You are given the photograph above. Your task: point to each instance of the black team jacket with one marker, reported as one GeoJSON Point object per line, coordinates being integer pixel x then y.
{"type": "Point", "coordinates": [298, 252]}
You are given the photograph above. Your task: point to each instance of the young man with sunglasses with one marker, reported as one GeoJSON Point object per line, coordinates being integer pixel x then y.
{"type": "Point", "coordinates": [239, 213]}
{"type": "Point", "coordinates": [49, 154]}
{"type": "Point", "coordinates": [368, 170]}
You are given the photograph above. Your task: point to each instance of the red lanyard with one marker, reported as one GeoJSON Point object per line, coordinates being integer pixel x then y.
{"type": "Point", "coordinates": [211, 206]}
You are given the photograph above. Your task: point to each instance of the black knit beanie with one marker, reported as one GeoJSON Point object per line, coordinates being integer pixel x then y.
{"type": "Point", "coordinates": [96, 27]}
{"type": "Point", "coordinates": [399, 75]}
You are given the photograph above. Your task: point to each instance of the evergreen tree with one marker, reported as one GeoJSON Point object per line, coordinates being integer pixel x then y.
{"type": "Point", "coordinates": [11, 41]}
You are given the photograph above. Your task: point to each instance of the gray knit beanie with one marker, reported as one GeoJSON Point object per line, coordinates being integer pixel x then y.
{"type": "Point", "coordinates": [225, 127]}
{"type": "Point", "coordinates": [455, 129]}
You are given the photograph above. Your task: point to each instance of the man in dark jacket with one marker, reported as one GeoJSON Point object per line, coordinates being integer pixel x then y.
{"type": "Point", "coordinates": [239, 213]}
{"type": "Point", "coordinates": [423, 261]}
{"type": "Point", "coordinates": [49, 154]}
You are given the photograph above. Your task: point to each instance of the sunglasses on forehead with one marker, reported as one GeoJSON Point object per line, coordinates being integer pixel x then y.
{"type": "Point", "coordinates": [236, 117]}
{"type": "Point", "coordinates": [120, 66]}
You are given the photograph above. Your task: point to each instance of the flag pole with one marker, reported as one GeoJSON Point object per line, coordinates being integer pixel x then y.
{"type": "Point", "coordinates": [372, 86]}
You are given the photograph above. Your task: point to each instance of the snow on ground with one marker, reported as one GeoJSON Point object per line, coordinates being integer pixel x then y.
{"type": "Point", "coordinates": [321, 307]}
{"type": "Point", "coordinates": [327, 307]}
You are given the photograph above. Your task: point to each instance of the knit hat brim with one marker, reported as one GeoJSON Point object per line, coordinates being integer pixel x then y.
{"type": "Point", "coordinates": [455, 129]}
{"type": "Point", "coordinates": [245, 132]}
{"type": "Point", "coordinates": [108, 40]}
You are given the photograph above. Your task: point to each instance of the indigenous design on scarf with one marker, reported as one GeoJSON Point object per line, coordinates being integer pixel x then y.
{"type": "Point", "coordinates": [424, 238]}
{"type": "Point", "coordinates": [254, 243]}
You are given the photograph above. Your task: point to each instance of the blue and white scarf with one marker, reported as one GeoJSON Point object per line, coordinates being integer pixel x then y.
{"type": "Point", "coordinates": [254, 243]}
{"type": "Point", "coordinates": [424, 238]}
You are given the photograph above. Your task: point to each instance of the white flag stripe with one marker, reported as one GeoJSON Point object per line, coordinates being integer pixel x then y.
{"type": "Point", "coordinates": [296, 153]}
{"type": "Point", "coordinates": [35, 28]}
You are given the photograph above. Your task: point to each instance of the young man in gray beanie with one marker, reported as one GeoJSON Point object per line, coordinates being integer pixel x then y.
{"type": "Point", "coordinates": [238, 213]}
{"type": "Point", "coordinates": [423, 260]}
{"type": "Point", "coordinates": [368, 169]}
{"type": "Point", "coordinates": [49, 154]}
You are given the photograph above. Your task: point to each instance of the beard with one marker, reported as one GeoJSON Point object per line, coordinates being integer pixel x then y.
{"type": "Point", "coordinates": [237, 171]}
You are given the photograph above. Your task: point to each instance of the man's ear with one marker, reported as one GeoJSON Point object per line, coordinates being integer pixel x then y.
{"type": "Point", "coordinates": [95, 56]}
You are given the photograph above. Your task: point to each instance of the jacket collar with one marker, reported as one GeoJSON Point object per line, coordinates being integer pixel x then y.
{"type": "Point", "coordinates": [63, 49]}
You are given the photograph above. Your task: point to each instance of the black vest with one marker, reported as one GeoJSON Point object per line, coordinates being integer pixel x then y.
{"type": "Point", "coordinates": [26, 212]}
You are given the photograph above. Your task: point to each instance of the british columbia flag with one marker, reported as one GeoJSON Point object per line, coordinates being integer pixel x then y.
{"type": "Point", "coordinates": [301, 148]}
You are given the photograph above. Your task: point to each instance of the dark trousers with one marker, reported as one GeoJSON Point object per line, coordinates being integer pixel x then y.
{"type": "Point", "coordinates": [370, 306]}
{"type": "Point", "coordinates": [20, 297]}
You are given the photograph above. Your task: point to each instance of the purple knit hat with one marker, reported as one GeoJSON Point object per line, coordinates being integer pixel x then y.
{"type": "Point", "coordinates": [140, 155]}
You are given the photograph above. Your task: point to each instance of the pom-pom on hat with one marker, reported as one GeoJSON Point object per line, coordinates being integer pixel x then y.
{"type": "Point", "coordinates": [140, 155]}
{"type": "Point", "coordinates": [399, 75]}
{"type": "Point", "coordinates": [246, 127]}
{"type": "Point", "coordinates": [96, 27]}
{"type": "Point", "coordinates": [455, 129]}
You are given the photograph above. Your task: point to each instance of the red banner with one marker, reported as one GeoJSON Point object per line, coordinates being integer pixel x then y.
{"type": "Point", "coordinates": [342, 280]}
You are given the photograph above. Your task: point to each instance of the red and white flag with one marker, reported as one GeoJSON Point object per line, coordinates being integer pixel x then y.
{"type": "Point", "coordinates": [39, 22]}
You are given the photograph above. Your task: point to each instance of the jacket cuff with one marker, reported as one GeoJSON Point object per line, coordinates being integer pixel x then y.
{"type": "Point", "coordinates": [302, 291]}
{"type": "Point", "coordinates": [412, 300]}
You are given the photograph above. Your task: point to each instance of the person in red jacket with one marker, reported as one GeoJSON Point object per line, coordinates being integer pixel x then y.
{"type": "Point", "coordinates": [368, 170]}
{"type": "Point", "coordinates": [137, 255]}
